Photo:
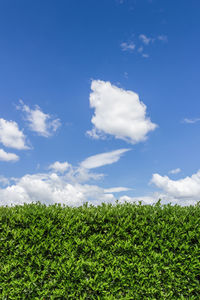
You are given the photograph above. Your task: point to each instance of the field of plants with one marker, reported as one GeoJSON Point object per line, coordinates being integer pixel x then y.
{"type": "Point", "coordinates": [121, 251]}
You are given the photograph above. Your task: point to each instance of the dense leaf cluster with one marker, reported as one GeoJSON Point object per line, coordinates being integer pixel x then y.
{"type": "Point", "coordinates": [122, 251]}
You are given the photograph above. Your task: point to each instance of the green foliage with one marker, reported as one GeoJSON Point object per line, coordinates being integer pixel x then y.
{"type": "Point", "coordinates": [122, 251]}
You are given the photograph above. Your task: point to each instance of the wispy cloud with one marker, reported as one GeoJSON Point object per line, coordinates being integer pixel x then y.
{"type": "Point", "coordinates": [141, 43]}
{"type": "Point", "coordinates": [117, 190]}
{"type": "Point", "coordinates": [11, 136]}
{"type": "Point", "coordinates": [127, 46]}
{"type": "Point", "coordinates": [60, 167]}
{"type": "Point", "coordinates": [140, 49]}
{"type": "Point", "coordinates": [145, 40]}
{"type": "Point", "coordinates": [102, 159]}
{"type": "Point", "coordinates": [191, 121]}
{"type": "Point", "coordinates": [145, 55]}
{"type": "Point", "coordinates": [126, 75]}
{"type": "Point", "coordinates": [148, 40]}
{"type": "Point", "coordinates": [4, 181]}
{"type": "Point", "coordinates": [43, 124]}
{"type": "Point", "coordinates": [175, 171]}
{"type": "Point", "coordinates": [162, 38]}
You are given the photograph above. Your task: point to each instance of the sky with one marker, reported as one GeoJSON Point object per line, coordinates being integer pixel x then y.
{"type": "Point", "coordinates": [99, 101]}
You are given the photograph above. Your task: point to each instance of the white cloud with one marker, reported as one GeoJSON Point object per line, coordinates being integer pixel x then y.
{"type": "Point", "coordinates": [102, 159]}
{"type": "Point", "coordinates": [119, 113]}
{"type": "Point", "coordinates": [5, 156]}
{"type": "Point", "coordinates": [191, 121]}
{"type": "Point", "coordinates": [154, 197]}
{"type": "Point", "coordinates": [39, 122]}
{"type": "Point", "coordinates": [4, 181]}
{"type": "Point", "coordinates": [140, 49]}
{"type": "Point", "coordinates": [127, 46]}
{"type": "Point", "coordinates": [64, 187]}
{"type": "Point", "coordinates": [96, 134]}
{"type": "Point", "coordinates": [116, 189]}
{"type": "Point", "coordinates": [75, 174]}
{"type": "Point", "coordinates": [163, 38]}
{"type": "Point", "coordinates": [11, 136]}
{"type": "Point", "coordinates": [126, 75]}
{"type": "Point", "coordinates": [145, 39]}
{"type": "Point", "coordinates": [51, 189]}
{"type": "Point", "coordinates": [188, 187]}
{"type": "Point", "coordinates": [145, 55]}
{"type": "Point", "coordinates": [68, 187]}
{"type": "Point", "coordinates": [175, 171]}
{"type": "Point", "coordinates": [143, 199]}
{"type": "Point", "coordinates": [60, 167]}
{"type": "Point", "coordinates": [83, 175]}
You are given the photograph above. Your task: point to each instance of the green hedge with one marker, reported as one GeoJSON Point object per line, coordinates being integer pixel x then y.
{"type": "Point", "coordinates": [122, 251]}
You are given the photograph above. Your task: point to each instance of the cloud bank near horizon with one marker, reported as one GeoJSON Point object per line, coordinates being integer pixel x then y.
{"type": "Point", "coordinates": [187, 188]}
{"type": "Point", "coordinates": [64, 184]}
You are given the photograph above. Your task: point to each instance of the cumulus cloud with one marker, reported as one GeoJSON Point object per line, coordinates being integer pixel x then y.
{"type": "Point", "coordinates": [188, 187]}
{"type": "Point", "coordinates": [68, 185]}
{"type": "Point", "coordinates": [119, 113]}
{"type": "Point", "coordinates": [11, 136]}
{"type": "Point", "coordinates": [63, 184]}
{"type": "Point", "coordinates": [57, 188]}
{"type": "Point", "coordinates": [52, 188]}
{"type": "Point", "coordinates": [59, 166]}
{"type": "Point", "coordinates": [175, 171]}
{"type": "Point", "coordinates": [127, 46]}
{"type": "Point", "coordinates": [39, 122]}
{"type": "Point", "coordinates": [5, 156]}
{"type": "Point", "coordinates": [102, 159]}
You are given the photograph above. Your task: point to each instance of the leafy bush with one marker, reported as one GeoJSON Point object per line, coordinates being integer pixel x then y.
{"type": "Point", "coordinates": [122, 251]}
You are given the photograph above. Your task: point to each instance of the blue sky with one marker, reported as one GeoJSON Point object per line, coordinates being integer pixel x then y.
{"type": "Point", "coordinates": [99, 101]}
